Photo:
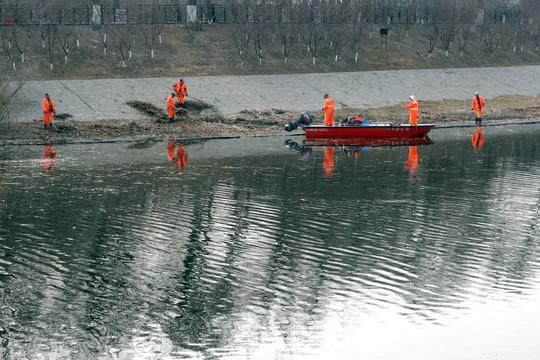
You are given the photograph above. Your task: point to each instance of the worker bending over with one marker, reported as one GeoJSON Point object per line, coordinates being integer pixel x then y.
{"type": "Point", "coordinates": [477, 105]}
{"type": "Point", "coordinates": [328, 108]}
{"type": "Point", "coordinates": [170, 107]}
{"type": "Point", "coordinates": [413, 110]}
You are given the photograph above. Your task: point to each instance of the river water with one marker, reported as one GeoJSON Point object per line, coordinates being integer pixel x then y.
{"type": "Point", "coordinates": [264, 248]}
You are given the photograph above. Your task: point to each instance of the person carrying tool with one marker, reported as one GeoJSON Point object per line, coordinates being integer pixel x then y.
{"type": "Point", "coordinates": [48, 110]}
{"type": "Point", "coordinates": [413, 110]}
{"type": "Point", "coordinates": [328, 108]}
{"type": "Point", "coordinates": [170, 107]}
{"type": "Point", "coordinates": [477, 105]}
{"type": "Point", "coordinates": [181, 90]}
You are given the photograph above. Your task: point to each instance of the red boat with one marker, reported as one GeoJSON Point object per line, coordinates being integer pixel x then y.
{"type": "Point", "coordinates": [377, 130]}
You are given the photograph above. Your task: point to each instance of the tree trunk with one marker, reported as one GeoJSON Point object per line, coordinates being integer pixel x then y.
{"type": "Point", "coordinates": [22, 58]}
{"type": "Point", "coordinates": [446, 53]}
{"type": "Point", "coordinates": [285, 59]}
{"type": "Point", "coordinates": [152, 53]}
{"type": "Point", "coordinates": [14, 65]}
{"type": "Point", "coordinates": [65, 59]}
{"type": "Point", "coordinates": [313, 59]}
{"type": "Point", "coordinates": [356, 56]}
{"type": "Point", "coordinates": [51, 66]}
{"type": "Point", "coordinates": [336, 59]}
{"type": "Point", "coordinates": [159, 37]}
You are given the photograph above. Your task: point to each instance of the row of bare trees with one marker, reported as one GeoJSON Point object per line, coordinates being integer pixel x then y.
{"type": "Point", "coordinates": [445, 23]}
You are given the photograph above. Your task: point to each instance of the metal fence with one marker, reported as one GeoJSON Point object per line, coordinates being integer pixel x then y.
{"type": "Point", "coordinates": [174, 14]}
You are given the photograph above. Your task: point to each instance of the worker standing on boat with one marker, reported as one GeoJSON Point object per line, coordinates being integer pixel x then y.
{"type": "Point", "coordinates": [413, 110]}
{"type": "Point", "coordinates": [48, 110]}
{"type": "Point", "coordinates": [181, 91]}
{"type": "Point", "coordinates": [477, 105]}
{"type": "Point", "coordinates": [328, 108]}
{"type": "Point", "coordinates": [170, 107]}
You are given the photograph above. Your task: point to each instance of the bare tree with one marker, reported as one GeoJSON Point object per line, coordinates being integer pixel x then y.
{"type": "Point", "coordinates": [261, 37]}
{"type": "Point", "coordinates": [123, 38]}
{"type": "Point", "coordinates": [312, 34]}
{"type": "Point", "coordinates": [150, 34]}
{"type": "Point", "coordinates": [357, 32]}
{"type": "Point", "coordinates": [429, 33]}
{"type": "Point", "coordinates": [67, 36]}
{"type": "Point", "coordinates": [337, 33]}
{"type": "Point", "coordinates": [463, 36]}
{"type": "Point", "coordinates": [48, 37]}
{"type": "Point", "coordinates": [448, 28]}
{"type": "Point", "coordinates": [241, 36]}
{"type": "Point", "coordinates": [102, 31]}
{"type": "Point", "coordinates": [285, 31]}
{"type": "Point", "coordinates": [492, 39]}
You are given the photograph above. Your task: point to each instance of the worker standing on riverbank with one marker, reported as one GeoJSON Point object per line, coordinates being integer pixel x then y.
{"type": "Point", "coordinates": [48, 110]}
{"type": "Point", "coordinates": [478, 105]}
{"type": "Point", "coordinates": [170, 107]}
{"type": "Point", "coordinates": [413, 110]}
{"type": "Point", "coordinates": [181, 91]}
{"type": "Point", "coordinates": [328, 108]}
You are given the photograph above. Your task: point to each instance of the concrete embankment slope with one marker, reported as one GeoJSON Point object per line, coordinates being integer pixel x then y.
{"type": "Point", "coordinates": [89, 100]}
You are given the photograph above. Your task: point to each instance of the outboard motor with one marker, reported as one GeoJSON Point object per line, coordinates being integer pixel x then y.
{"type": "Point", "coordinates": [305, 119]}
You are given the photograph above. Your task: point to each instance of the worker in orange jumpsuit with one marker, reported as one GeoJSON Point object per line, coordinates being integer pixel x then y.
{"type": "Point", "coordinates": [328, 108]}
{"type": "Point", "coordinates": [477, 105]}
{"type": "Point", "coordinates": [48, 157]}
{"type": "Point", "coordinates": [411, 165]}
{"type": "Point", "coordinates": [170, 107]}
{"type": "Point", "coordinates": [181, 157]}
{"type": "Point", "coordinates": [170, 150]}
{"type": "Point", "coordinates": [413, 110]}
{"type": "Point", "coordinates": [328, 162]}
{"type": "Point", "coordinates": [181, 91]}
{"type": "Point", "coordinates": [477, 138]}
{"type": "Point", "coordinates": [48, 110]}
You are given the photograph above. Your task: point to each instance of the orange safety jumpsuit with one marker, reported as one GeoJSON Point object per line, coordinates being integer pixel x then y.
{"type": "Point", "coordinates": [411, 165]}
{"type": "Point", "coordinates": [478, 105]}
{"type": "Point", "coordinates": [170, 107]}
{"type": "Point", "coordinates": [48, 110]}
{"type": "Point", "coordinates": [170, 150]}
{"type": "Point", "coordinates": [181, 90]}
{"type": "Point", "coordinates": [477, 138]}
{"type": "Point", "coordinates": [328, 108]}
{"type": "Point", "coordinates": [48, 157]}
{"type": "Point", "coordinates": [413, 112]}
{"type": "Point", "coordinates": [181, 157]}
{"type": "Point", "coordinates": [328, 162]}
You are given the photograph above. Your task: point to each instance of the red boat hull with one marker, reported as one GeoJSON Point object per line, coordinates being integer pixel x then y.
{"type": "Point", "coordinates": [372, 130]}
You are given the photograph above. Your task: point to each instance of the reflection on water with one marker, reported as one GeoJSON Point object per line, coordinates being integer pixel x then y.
{"type": "Point", "coordinates": [477, 138]}
{"type": "Point", "coordinates": [251, 255]}
{"type": "Point", "coordinates": [49, 156]}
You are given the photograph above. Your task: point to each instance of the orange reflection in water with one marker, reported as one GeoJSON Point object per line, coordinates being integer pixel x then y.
{"type": "Point", "coordinates": [477, 138]}
{"type": "Point", "coordinates": [328, 162]}
{"type": "Point", "coordinates": [411, 165]}
{"type": "Point", "coordinates": [49, 157]}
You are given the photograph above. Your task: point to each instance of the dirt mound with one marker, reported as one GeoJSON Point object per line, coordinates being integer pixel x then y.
{"type": "Point", "coordinates": [147, 108]}
{"type": "Point", "coordinates": [63, 116]}
{"type": "Point", "coordinates": [198, 105]}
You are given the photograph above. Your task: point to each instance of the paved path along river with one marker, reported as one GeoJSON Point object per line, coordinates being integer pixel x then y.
{"type": "Point", "coordinates": [89, 100]}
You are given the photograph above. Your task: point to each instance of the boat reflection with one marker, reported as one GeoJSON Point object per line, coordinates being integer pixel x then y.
{"type": "Point", "coordinates": [369, 141]}
{"type": "Point", "coordinates": [304, 151]}
{"type": "Point", "coordinates": [49, 156]}
{"type": "Point", "coordinates": [477, 138]}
